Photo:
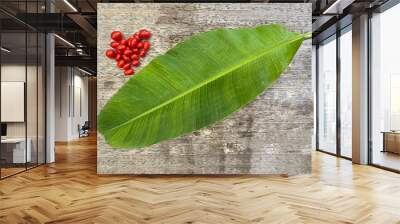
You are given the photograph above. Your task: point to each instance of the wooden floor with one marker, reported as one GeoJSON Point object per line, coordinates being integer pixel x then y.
{"type": "Point", "coordinates": [387, 159]}
{"type": "Point", "coordinates": [5, 172]}
{"type": "Point", "coordinates": [69, 191]}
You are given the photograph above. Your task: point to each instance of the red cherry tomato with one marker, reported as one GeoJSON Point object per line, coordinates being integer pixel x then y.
{"type": "Point", "coordinates": [146, 45]}
{"type": "Point", "coordinates": [116, 35]}
{"type": "Point", "coordinates": [130, 41]}
{"type": "Point", "coordinates": [142, 53]}
{"type": "Point", "coordinates": [126, 58]}
{"type": "Point", "coordinates": [118, 57]}
{"type": "Point", "coordinates": [127, 66]}
{"type": "Point", "coordinates": [144, 34]}
{"type": "Point", "coordinates": [133, 43]}
{"type": "Point", "coordinates": [121, 47]}
{"type": "Point", "coordinates": [140, 45]}
{"type": "Point", "coordinates": [124, 42]}
{"type": "Point", "coordinates": [135, 63]}
{"type": "Point", "coordinates": [114, 44]}
{"type": "Point", "coordinates": [135, 57]}
{"type": "Point", "coordinates": [128, 53]}
{"type": "Point", "coordinates": [121, 63]}
{"type": "Point", "coordinates": [129, 72]}
{"type": "Point", "coordinates": [111, 54]}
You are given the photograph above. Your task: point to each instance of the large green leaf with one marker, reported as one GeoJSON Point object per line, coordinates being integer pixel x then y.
{"type": "Point", "coordinates": [198, 82]}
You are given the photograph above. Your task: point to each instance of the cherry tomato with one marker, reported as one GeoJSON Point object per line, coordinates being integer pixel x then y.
{"type": "Point", "coordinates": [144, 34]}
{"type": "Point", "coordinates": [116, 35]}
{"type": "Point", "coordinates": [128, 53]}
{"type": "Point", "coordinates": [121, 47]}
{"type": "Point", "coordinates": [127, 66]}
{"type": "Point", "coordinates": [121, 63]}
{"type": "Point", "coordinates": [142, 53]}
{"type": "Point", "coordinates": [124, 42]}
{"type": "Point", "coordinates": [129, 72]}
{"type": "Point", "coordinates": [114, 44]}
{"type": "Point", "coordinates": [134, 43]}
{"type": "Point", "coordinates": [135, 57]}
{"type": "Point", "coordinates": [111, 54]}
{"type": "Point", "coordinates": [135, 63]}
{"type": "Point", "coordinates": [146, 45]}
{"type": "Point", "coordinates": [126, 58]}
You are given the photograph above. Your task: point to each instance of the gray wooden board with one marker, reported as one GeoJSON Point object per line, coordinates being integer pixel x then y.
{"type": "Point", "coordinates": [271, 135]}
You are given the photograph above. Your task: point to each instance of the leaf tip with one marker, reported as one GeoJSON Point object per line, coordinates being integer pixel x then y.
{"type": "Point", "coordinates": [307, 35]}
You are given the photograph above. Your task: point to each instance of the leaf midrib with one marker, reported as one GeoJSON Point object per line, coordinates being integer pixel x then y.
{"type": "Point", "coordinates": [207, 81]}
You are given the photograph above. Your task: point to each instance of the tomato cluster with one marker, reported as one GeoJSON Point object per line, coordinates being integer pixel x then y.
{"type": "Point", "coordinates": [127, 52]}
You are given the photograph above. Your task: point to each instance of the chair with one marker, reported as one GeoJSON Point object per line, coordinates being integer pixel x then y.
{"type": "Point", "coordinates": [84, 130]}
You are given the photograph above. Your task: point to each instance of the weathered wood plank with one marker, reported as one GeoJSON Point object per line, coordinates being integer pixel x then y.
{"type": "Point", "coordinates": [269, 136]}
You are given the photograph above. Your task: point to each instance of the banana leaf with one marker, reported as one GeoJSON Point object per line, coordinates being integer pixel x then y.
{"type": "Point", "coordinates": [197, 83]}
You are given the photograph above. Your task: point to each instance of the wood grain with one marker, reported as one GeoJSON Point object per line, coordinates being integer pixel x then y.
{"type": "Point", "coordinates": [271, 135]}
{"type": "Point", "coordinates": [70, 191]}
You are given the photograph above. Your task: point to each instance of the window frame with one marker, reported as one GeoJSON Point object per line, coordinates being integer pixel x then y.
{"type": "Point", "coordinates": [338, 33]}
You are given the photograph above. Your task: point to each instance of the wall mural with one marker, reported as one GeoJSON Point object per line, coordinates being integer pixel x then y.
{"type": "Point", "coordinates": [166, 92]}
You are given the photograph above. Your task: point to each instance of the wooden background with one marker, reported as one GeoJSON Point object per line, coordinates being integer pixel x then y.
{"type": "Point", "coordinates": [272, 135]}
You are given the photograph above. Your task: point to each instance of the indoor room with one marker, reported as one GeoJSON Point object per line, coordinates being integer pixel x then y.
{"type": "Point", "coordinates": [22, 98]}
{"type": "Point", "coordinates": [181, 112]}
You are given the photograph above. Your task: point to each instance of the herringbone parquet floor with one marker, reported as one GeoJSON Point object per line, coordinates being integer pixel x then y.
{"type": "Point", "coordinates": [69, 191]}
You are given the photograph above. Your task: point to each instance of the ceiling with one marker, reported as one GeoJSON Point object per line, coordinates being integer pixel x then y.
{"type": "Point", "coordinates": [75, 22]}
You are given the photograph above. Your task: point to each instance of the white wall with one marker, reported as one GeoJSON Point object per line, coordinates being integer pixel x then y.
{"type": "Point", "coordinates": [13, 72]}
{"type": "Point", "coordinates": [70, 109]}
{"type": "Point", "coordinates": [62, 81]}
{"type": "Point", "coordinates": [10, 73]}
{"type": "Point", "coordinates": [33, 127]}
{"type": "Point", "coordinates": [16, 73]}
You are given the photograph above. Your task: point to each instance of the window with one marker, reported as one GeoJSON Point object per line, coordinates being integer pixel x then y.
{"type": "Point", "coordinates": [333, 137]}
{"type": "Point", "coordinates": [346, 75]}
{"type": "Point", "coordinates": [327, 95]}
{"type": "Point", "coordinates": [22, 101]}
{"type": "Point", "coordinates": [385, 89]}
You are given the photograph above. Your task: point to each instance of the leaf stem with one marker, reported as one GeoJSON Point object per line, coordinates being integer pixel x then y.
{"type": "Point", "coordinates": [307, 35]}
